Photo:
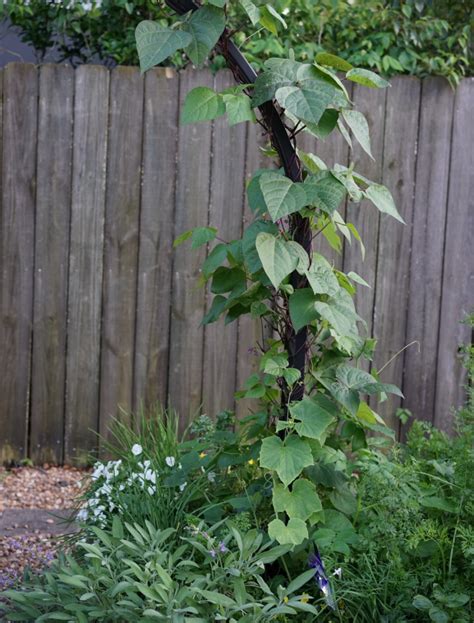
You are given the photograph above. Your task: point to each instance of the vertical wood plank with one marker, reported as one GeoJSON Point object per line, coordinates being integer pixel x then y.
{"type": "Point", "coordinates": [392, 278]}
{"type": "Point", "coordinates": [86, 260]}
{"type": "Point", "coordinates": [53, 201]}
{"type": "Point", "coordinates": [426, 266]}
{"type": "Point", "coordinates": [225, 214]}
{"type": "Point", "coordinates": [122, 210]}
{"type": "Point", "coordinates": [17, 222]}
{"type": "Point", "coordinates": [156, 237]}
{"type": "Point", "coordinates": [249, 331]}
{"type": "Point", "coordinates": [458, 282]}
{"type": "Point", "coordinates": [188, 297]}
{"type": "Point", "coordinates": [365, 217]}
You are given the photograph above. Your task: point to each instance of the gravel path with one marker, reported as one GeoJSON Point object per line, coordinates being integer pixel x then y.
{"type": "Point", "coordinates": [34, 503]}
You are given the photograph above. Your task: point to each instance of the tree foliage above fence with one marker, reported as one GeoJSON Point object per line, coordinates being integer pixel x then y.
{"type": "Point", "coordinates": [411, 37]}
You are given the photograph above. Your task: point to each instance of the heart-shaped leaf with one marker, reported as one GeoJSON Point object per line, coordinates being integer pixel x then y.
{"type": "Point", "coordinates": [202, 104]}
{"type": "Point", "coordinates": [276, 260]}
{"type": "Point", "coordinates": [294, 533]}
{"type": "Point", "coordinates": [382, 198]}
{"type": "Point", "coordinates": [281, 195]}
{"type": "Point", "coordinates": [205, 26]}
{"type": "Point", "coordinates": [288, 458]}
{"type": "Point", "coordinates": [156, 43]}
{"type": "Point", "coordinates": [314, 416]}
{"type": "Point", "coordinates": [307, 101]}
{"type": "Point", "coordinates": [321, 276]}
{"type": "Point", "coordinates": [301, 502]}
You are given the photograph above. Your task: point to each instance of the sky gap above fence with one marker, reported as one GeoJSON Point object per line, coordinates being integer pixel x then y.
{"type": "Point", "coordinates": [98, 177]}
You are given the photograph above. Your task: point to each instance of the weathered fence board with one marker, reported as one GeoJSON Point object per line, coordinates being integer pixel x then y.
{"type": "Point", "coordinates": [188, 297]}
{"type": "Point", "coordinates": [86, 260]}
{"type": "Point", "coordinates": [97, 310]}
{"type": "Point", "coordinates": [17, 226]}
{"type": "Point", "coordinates": [457, 298]}
{"type": "Point", "coordinates": [53, 202]}
{"type": "Point", "coordinates": [122, 211]}
{"type": "Point", "coordinates": [160, 142]}
{"type": "Point", "coordinates": [391, 285]}
{"type": "Point", "coordinates": [429, 218]}
{"type": "Point", "coordinates": [225, 214]}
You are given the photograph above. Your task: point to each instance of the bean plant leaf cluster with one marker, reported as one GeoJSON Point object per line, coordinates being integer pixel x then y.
{"type": "Point", "coordinates": [311, 383]}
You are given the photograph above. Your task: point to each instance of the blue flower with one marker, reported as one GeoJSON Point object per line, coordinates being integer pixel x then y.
{"type": "Point", "coordinates": [316, 563]}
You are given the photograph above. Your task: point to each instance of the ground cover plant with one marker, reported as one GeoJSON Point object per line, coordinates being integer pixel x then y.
{"type": "Point", "coordinates": [306, 509]}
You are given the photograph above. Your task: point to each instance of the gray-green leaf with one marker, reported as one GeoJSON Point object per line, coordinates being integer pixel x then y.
{"type": "Point", "coordinates": [156, 43]}
{"type": "Point", "coordinates": [281, 195]}
{"type": "Point", "coordinates": [202, 104]}
{"type": "Point", "coordinates": [276, 260]}
{"type": "Point", "coordinates": [359, 127]}
{"type": "Point", "coordinates": [307, 101]}
{"type": "Point", "coordinates": [205, 27]}
{"type": "Point", "coordinates": [382, 198]}
{"type": "Point", "coordinates": [367, 78]}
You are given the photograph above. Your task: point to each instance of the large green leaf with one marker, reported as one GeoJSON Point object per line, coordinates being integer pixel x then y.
{"type": "Point", "coordinates": [277, 73]}
{"type": "Point", "coordinates": [308, 101]}
{"type": "Point", "coordinates": [324, 191]}
{"type": "Point", "coordinates": [367, 78]}
{"type": "Point", "coordinates": [252, 261]}
{"type": "Point", "coordinates": [238, 108]}
{"type": "Point", "coordinates": [382, 198]}
{"type": "Point", "coordinates": [359, 127]}
{"type": "Point", "coordinates": [288, 458]}
{"type": "Point", "coordinates": [205, 26]}
{"type": "Point", "coordinates": [156, 43]}
{"type": "Point", "coordinates": [294, 533]}
{"type": "Point", "coordinates": [216, 309]}
{"type": "Point", "coordinates": [202, 104]}
{"type": "Point", "coordinates": [252, 11]}
{"type": "Point", "coordinates": [340, 313]}
{"type": "Point", "coordinates": [345, 383]}
{"type": "Point", "coordinates": [331, 60]}
{"type": "Point", "coordinates": [302, 308]}
{"type": "Point", "coordinates": [281, 195]}
{"type": "Point", "coordinates": [214, 259]}
{"type": "Point", "coordinates": [301, 502]}
{"type": "Point", "coordinates": [314, 416]}
{"type": "Point", "coordinates": [226, 279]}
{"type": "Point", "coordinates": [321, 276]}
{"type": "Point", "coordinates": [276, 260]}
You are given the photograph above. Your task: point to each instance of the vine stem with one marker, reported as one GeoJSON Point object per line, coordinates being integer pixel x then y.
{"type": "Point", "coordinates": [299, 227]}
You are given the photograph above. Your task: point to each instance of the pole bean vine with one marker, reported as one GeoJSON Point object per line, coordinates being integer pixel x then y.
{"type": "Point", "coordinates": [311, 386]}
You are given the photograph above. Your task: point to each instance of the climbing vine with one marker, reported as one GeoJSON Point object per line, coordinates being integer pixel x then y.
{"type": "Point", "coordinates": [311, 385]}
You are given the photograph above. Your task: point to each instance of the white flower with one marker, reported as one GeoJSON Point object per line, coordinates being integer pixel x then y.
{"type": "Point", "coordinates": [151, 490]}
{"type": "Point", "coordinates": [150, 475]}
{"type": "Point", "coordinates": [137, 449]}
{"type": "Point", "coordinates": [170, 461]}
{"type": "Point", "coordinates": [211, 476]}
{"type": "Point", "coordinates": [82, 515]}
{"type": "Point", "coordinates": [183, 486]}
{"type": "Point", "coordinates": [338, 572]}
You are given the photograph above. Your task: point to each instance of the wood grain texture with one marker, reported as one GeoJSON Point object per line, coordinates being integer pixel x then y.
{"type": "Point", "coordinates": [249, 330]}
{"type": "Point", "coordinates": [188, 297]}
{"type": "Point", "coordinates": [364, 216]}
{"type": "Point", "coordinates": [457, 298]}
{"type": "Point", "coordinates": [86, 260]}
{"type": "Point", "coordinates": [122, 211]}
{"type": "Point", "coordinates": [393, 264]}
{"type": "Point", "coordinates": [160, 140]}
{"type": "Point", "coordinates": [53, 201]}
{"type": "Point", "coordinates": [428, 236]}
{"type": "Point", "coordinates": [225, 214]}
{"type": "Point", "coordinates": [17, 223]}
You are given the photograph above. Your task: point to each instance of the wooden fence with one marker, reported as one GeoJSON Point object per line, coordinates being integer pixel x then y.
{"type": "Point", "coordinates": [98, 177]}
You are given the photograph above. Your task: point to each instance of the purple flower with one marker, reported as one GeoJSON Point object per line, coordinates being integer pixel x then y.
{"type": "Point", "coordinates": [222, 548]}
{"type": "Point", "coordinates": [213, 553]}
{"type": "Point", "coordinates": [316, 563]}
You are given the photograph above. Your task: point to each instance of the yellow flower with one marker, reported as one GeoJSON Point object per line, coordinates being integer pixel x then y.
{"type": "Point", "coordinates": [286, 600]}
{"type": "Point", "coordinates": [304, 598]}
{"type": "Point", "coordinates": [202, 455]}
{"type": "Point", "coordinates": [251, 462]}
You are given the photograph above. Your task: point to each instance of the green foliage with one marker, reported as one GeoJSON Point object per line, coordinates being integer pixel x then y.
{"type": "Point", "coordinates": [136, 573]}
{"type": "Point", "coordinates": [417, 38]}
